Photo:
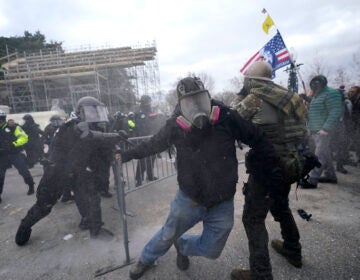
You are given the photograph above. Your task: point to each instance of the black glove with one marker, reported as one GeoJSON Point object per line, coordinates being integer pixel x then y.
{"type": "Point", "coordinates": [123, 134]}
{"type": "Point", "coordinates": [304, 215]}
{"type": "Point", "coordinates": [45, 162]}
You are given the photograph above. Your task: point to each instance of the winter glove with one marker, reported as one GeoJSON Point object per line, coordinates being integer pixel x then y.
{"type": "Point", "coordinates": [304, 215]}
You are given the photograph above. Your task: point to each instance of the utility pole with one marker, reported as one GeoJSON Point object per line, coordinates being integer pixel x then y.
{"type": "Point", "coordinates": [293, 83]}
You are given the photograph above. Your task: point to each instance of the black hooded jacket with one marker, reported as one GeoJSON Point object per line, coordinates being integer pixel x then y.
{"type": "Point", "coordinates": [206, 159]}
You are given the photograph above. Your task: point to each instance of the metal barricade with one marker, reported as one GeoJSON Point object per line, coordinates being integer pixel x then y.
{"type": "Point", "coordinates": [143, 172]}
{"type": "Point", "coordinates": [135, 175]}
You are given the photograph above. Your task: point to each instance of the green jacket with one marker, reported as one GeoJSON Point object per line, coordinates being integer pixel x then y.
{"type": "Point", "coordinates": [325, 110]}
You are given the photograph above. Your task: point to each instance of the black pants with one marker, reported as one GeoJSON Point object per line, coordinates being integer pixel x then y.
{"type": "Point", "coordinates": [18, 161]}
{"type": "Point", "coordinates": [257, 205]}
{"type": "Point", "coordinates": [51, 188]}
{"type": "Point", "coordinates": [87, 199]}
{"type": "Point", "coordinates": [33, 154]}
{"type": "Point", "coordinates": [145, 164]}
{"type": "Point", "coordinates": [48, 192]}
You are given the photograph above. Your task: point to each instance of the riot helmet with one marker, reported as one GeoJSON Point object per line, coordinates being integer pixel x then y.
{"type": "Point", "coordinates": [56, 120]}
{"type": "Point", "coordinates": [91, 110]}
{"type": "Point", "coordinates": [28, 118]}
{"type": "Point", "coordinates": [145, 103]}
{"type": "Point", "coordinates": [194, 101]}
{"type": "Point", "coordinates": [2, 116]}
{"type": "Point", "coordinates": [131, 115]}
{"type": "Point", "coordinates": [119, 116]}
{"type": "Point", "coordinates": [318, 83]}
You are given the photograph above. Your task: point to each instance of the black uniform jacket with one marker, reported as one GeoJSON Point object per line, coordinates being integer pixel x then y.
{"type": "Point", "coordinates": [206, 159]}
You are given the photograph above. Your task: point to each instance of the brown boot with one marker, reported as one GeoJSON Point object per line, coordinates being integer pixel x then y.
{"type": "Point", "coordinates": [291, 256]}
{"type": "Point", "coordinates": [240, 274]}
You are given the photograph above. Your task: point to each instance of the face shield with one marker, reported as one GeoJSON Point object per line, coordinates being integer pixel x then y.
{"type": "Point", "coordinates": [57, 123]}
{"type": "Point", "coordinates": [196, 108]}
{"type": "Point", "coordinates": [93, 114]}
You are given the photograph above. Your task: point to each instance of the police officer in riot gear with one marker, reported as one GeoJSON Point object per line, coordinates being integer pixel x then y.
{"type": "Point", "coordinates": [77, 152]}
{"type": "Point", "coordinates": [12, 140]}
{"type": "Point", "coordinates": [145, 124]}
{"type": "Point", "coordinates": [34, 147]}
{"type": "Point", "coordinates": [49, 132]}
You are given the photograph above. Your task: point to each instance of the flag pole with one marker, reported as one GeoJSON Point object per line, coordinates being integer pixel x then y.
{"type": "Point", "coordinates": [264, 11]}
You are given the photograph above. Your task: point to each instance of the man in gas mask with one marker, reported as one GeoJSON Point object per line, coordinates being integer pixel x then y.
{"type": "Point", "coordinates": [77, 153]}
{"type": "Point", "coordinates": [204, 132]}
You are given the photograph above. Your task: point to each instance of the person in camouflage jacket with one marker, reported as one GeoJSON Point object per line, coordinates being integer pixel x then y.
{"type": "Point", "coordinates": [281, 114]}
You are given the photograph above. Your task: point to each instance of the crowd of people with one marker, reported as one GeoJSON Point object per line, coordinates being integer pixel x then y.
{"type": "Point", "coordinates": [291, 138]}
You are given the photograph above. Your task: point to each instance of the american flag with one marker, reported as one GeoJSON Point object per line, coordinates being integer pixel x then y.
{"type": "Point", "coordinates": [274, 52]}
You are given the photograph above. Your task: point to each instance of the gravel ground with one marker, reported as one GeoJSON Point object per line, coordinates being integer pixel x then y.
{"type": "Point", "coordinates": [58, 249]}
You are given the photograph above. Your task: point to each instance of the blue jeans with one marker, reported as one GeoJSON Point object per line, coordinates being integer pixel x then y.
{"type": "Point", "coordinates": [184, 214]}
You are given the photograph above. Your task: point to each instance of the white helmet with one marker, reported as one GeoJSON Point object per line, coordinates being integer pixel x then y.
{"type": "Point", "coordinates": [2, 115]}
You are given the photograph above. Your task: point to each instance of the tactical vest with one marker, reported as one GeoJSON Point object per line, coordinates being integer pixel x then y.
{"type": "Point", "coordinates": [283, 115]}
{"type": "Point", "coordinates": [290, 112]}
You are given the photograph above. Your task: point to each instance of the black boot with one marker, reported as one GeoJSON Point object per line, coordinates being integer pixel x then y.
{"type": "Point", "coordinates": [31, 190]}
{"type": "Point", "coordinates": [22, 235]}
{"type": "Point", "coordinates": [182, 261]}
{"type": "Point", "coordinates": [84, 224]}
{"type": "Point", "coordinates": [101, 234]}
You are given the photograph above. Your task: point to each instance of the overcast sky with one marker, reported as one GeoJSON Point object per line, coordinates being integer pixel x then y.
{"type": "Point", "coordinates": [216, 37]}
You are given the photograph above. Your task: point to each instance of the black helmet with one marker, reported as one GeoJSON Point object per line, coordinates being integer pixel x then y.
{"type": "Point", "coordinates": [318, 83]}
{"type": "Point", "coordinates": [145, 100]}
{"type": "Point", "coordinates": [28, 117]}
{"type": "Point", "coordinates": [55, 118]}
{"type": "Point", "coordinates": [56, 121]}
{"type": "Point", "coordinates": [90, 109]}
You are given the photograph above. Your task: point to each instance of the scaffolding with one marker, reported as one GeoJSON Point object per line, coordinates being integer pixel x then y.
{"type": "Point", "coordinates": [117, 76]}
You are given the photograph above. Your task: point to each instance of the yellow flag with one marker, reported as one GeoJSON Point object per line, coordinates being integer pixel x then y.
{"type": "Point", "coordinates": [268, 22]}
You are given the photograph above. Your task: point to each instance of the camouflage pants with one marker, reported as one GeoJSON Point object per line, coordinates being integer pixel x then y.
{"type": "Point", "coordinates": [257, 205]}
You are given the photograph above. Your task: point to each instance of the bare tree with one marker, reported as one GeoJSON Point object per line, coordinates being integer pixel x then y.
{"type": "Point", "coordinates": [227, 97]}
{"type": "Point", "coordinates": [318, 67]}
{"type": "Point", "coordinates": [236, 83]}
{"type": "Point", "coordinates": [340, 78]}
{"type": "Point", "coordinates": [355, 77]}
{"type": "Point", "coordinates": [206, 78]}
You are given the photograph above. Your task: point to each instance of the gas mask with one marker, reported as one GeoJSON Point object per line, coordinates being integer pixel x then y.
{"type": "Point", "coordinates": [196, 108]}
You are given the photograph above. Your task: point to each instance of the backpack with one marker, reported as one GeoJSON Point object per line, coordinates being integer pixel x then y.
{"type": "Point", "coordinates": [296, 159]}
